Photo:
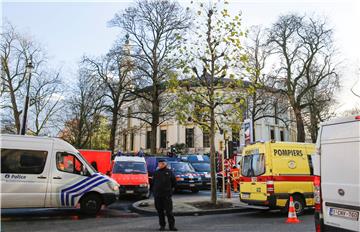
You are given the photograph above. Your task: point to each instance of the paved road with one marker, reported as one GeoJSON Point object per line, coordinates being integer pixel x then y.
{"type": "Point", "coordinates": [118, 217]}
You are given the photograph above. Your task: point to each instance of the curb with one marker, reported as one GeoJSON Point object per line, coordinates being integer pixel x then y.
{"type": "Point", "coordinates": [138, 210]}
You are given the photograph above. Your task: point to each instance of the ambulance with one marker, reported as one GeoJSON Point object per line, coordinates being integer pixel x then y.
{"type": "Point", "coordinates": [271, 172]}
{"type": "Point", "coordinates": [337, 175]}
{"type": "Point", "coordinates": [42, 172]}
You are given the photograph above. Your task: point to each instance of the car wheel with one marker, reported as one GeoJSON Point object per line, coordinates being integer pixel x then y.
{"type": "Point", "coordinates": [90, 204]}
{"type": "Point", "coordinates": [299, 205]}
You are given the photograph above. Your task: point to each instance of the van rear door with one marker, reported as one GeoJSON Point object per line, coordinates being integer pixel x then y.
{"type": "Point", "coordinates": [340, 177]}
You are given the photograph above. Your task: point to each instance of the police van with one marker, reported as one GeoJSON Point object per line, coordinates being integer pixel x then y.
{"type": "Point", "coordinates": [271, 172]}
{"type": "Point", "coordinates": [41, 172]}
{"type": "Point", "coordinates": [337, 180]}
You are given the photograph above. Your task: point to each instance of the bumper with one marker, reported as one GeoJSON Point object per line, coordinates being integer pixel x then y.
{"type": "Point", "coordinates": [270, 201]}
{"type": "Point", "coordinates": [109, 198]}
{"type": "Point", "coordinates": [188, 185]}
{"type": "Point", "coordinates": [205, 184]}
{"type": "Point", "coordinates": [133, 190]}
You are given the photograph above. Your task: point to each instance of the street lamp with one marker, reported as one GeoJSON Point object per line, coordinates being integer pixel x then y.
{"type": "Point", "coordinates": [28, 71]}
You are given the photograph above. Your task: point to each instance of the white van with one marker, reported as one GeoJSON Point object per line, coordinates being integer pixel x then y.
{"type": "Point", "coordinates": [49, 172]}
{"type": "Point", "coordinates": [337, 170]}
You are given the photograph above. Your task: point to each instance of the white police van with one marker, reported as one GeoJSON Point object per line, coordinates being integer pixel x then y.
{"type": "Point", "coordinates": [41, 172]}
{"type": "Point", "coordinates": [337, 175]}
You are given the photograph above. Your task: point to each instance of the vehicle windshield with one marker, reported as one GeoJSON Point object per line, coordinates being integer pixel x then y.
{"type": "Point", "coordinates": [88, 166]}
{"type": "Point", "coordinates": [201, 167]}
{"type": "Point", "coordinates": [253, 165]}
{"type": "Point", "coordinates": [181, 167]}
{"type": "Point", "coordinates": [129, 167]}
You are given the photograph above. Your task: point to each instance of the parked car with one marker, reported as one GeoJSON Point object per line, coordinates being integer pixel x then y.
{"type": "Point", "coordinates": [191, 158]}
{"type": "Point", "coordinates": [186, 176]}
{"type": "Point", "coordinates": [151, 164]}
{"type": "Point", "coordinates": [131, 173]}
{"type": "Point", "coordinates": [337, 179]}
{"type": "Point", "coordinates": [203, 169]}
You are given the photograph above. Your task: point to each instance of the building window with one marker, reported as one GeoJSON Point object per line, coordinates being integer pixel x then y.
{"type": "Point", "coordinates": [282, 137]}
{"type": "Point", "coordinates": [162, 138]}
{"type": "Point", "coordinates": [148, 139]}
{"type": "Point", "coordinates": [189, 136]}
{"type": "Point", "coordinates": [272, 134]}
{"type": "Point", "coordinates": [235, 137]}
{"type": "Point", "coordinates": [206, 139]}
{"type": "Point", "coordinates": [132, 141]}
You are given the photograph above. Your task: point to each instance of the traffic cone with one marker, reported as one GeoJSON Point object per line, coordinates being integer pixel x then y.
{"type": "Point", "coordinates": [292, 219]}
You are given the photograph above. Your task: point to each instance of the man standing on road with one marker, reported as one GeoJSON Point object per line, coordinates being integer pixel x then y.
{"type": "Point", "coordinates": [164, 182]}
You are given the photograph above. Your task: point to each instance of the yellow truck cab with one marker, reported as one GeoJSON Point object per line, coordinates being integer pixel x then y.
{"type": "Point", "coordinates": [271, 172]}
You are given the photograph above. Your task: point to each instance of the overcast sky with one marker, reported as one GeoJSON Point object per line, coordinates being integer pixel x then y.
{"type": "Point", "coordinates": [67, 30]}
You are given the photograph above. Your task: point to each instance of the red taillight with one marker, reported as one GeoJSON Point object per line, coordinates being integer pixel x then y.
{"type": "Point", "coordinates": [317, 193]}
{"type": "Point", "coordinates": [270, 186]}
{"type": "Point", "coordinates": [357, 117]}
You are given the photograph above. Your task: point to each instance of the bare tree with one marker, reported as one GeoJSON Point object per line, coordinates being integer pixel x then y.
{"type": "Point", "coordinates": [84, 107]}
{"type": "Point", "coordinates": [305, 49]}
{"type": "Point", "coordinates": [16, 51]}
{"type": "Point", "coordinates": [155, 28]}
{"type": "Point", "coordinates": [113, 71]}
{"type": "Point", "coordinates": [262, 103]}
{"type": "Point", "coordinates": [47, 100]}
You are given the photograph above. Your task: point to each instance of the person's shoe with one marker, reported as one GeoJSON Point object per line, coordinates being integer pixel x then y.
{"type": "Point", "coordinates": [162, 228]}
{"type": "Point", "coordinates": [173, 229]}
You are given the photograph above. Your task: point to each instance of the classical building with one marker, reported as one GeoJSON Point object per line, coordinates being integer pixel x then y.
{"type": "Point", "coordinates": [133, 134]}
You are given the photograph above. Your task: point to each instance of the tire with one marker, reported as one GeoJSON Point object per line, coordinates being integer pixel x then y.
{"type": "Point", "coordinates": [194, 190]}
{"type": "Point", "coordinates": [90, 204]}
{"type": "Point", "coordinates": [299, 205]}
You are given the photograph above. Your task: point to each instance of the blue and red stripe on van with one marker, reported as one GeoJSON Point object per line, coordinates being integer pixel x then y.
{"type": "Point", "coordinates": [85, 185]}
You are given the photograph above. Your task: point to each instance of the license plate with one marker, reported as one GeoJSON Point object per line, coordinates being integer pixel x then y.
{"type": "Point", "coordinates": [344, 213]}
{"type": "Point", "coordinates": [129, 191]}
{"type": "Point", "coordinates": [245, 195]}
{"type": "Point", "coordinates": [192, 185]}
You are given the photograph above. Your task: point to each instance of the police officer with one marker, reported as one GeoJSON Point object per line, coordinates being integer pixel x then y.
{"type": "Point", "coordinates": [164, 182]}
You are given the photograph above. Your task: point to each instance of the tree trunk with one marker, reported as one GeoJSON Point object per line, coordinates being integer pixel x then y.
{"type": "Point", "coordinates": [299, 124]}
{"type": "Point", "coordinates": [154, 125]}
{"type": "Point", "coordinates": [213, 157]}
{"type": "Point", "coordinates": [313, 125]}
{"type": "Point", "coordinates": [113, 129]}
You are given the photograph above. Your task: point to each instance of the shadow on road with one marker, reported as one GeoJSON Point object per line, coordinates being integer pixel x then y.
{"type": "Point", "coordinates": [272, 214]}
{"type": "Point", "coordinates": [59, 214]}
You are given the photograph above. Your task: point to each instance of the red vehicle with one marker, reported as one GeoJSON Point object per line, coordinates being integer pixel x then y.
{"type": "Point", "coordinates": [131, 174]}
{"type": "Point", "coordinates": [100, 160]}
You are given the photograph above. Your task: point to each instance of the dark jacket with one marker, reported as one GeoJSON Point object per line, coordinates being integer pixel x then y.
{"type": "Point", "coordinates": [163, 182]}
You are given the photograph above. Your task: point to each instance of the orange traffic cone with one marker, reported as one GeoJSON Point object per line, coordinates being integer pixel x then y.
{"type": "Point", "coordinates": [292, 214]}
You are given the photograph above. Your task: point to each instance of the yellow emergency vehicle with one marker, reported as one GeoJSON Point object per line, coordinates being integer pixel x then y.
{"type": "Point", "coordinates": [271, 172]}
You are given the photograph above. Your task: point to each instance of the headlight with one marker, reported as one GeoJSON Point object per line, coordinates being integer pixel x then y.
{"type": "Point", "coordinates": [179, 179]}
{"type": "Point", "coordinates": [113, 186]}
{"type": "Point", "coordinates": [143, 185]}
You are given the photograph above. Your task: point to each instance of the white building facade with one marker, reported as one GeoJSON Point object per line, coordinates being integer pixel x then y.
{"type": "Point", "coordinates": [133, 135]}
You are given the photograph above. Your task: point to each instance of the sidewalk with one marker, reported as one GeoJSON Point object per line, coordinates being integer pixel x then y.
{"type": "Point", "coordinates": [196, 205]}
